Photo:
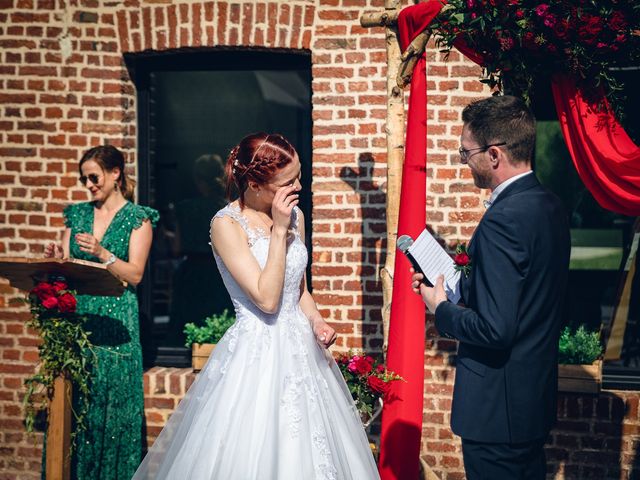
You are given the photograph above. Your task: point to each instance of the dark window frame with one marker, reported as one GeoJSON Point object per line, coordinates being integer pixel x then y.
{"type": "Point", "coordinates": [140, 66]}
{"type": "Point", "coordinates": [613, 377]}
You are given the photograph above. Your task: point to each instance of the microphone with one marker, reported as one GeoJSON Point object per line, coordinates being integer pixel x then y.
{"type": "Point", "coordinates": [403, 244]}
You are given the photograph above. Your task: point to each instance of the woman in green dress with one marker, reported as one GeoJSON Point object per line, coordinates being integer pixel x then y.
{"type": "Point", "coordinates": [114, 231]}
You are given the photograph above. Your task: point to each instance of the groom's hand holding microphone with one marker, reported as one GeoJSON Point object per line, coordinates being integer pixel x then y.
{"type": "Point", "coordinates": [432, 295]}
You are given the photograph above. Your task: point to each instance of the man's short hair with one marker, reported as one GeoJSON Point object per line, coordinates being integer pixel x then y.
{"type": "Point", "coordinates": [503, 119]}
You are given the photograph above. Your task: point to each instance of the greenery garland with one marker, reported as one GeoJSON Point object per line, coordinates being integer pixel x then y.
{"type": "Point", "coordinates": [64, 341]}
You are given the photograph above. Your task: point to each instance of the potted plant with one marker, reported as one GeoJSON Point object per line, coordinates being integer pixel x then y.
{"type": "Point", "coordinates": [369, 382]}
{"type": "Point", "coordinates": [203, 338]}
{"type": "Point", "coordinates": [580, 367]}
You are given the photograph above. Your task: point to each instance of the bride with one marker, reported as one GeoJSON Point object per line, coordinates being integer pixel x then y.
{"type": "Point", "coordinates": [271, 403]}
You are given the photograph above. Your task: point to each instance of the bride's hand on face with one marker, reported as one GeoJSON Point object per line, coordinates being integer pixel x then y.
{"type": "Point", "coordinates": [283, 202]}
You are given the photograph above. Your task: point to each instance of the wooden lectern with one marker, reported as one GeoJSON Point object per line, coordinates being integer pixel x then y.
{"type": "Point", "coordinates": [86, 278]}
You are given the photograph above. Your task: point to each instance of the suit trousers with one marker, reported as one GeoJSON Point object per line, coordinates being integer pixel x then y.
{"type": "Point", "coordinates": [504, 461]}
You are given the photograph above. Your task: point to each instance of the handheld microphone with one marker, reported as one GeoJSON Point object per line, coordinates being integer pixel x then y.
{"type": "Point", "coordinates": [403, 244]}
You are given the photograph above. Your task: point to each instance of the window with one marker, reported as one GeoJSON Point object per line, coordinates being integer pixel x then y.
{"type": "Point", "coordinates": [601, 242]}
{"type": "Point", "coordinates": [193, 107]}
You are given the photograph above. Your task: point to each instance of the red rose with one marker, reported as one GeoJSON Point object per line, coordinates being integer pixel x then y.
{"type": "Point", "coordinates": [590, 28]}
{"type": "Point", "coordinates": [461, 259]}
{"type": "Point", "coordinates": [561, 29]}
{"type": "Point", "coordinates": [378, 385]}
{"type": "Point", "coordinates": [542, 9]}
{"type": "Point", "coordinates": [43, 291]}
{"type": "Point", "coordinates": [550, 20]}
{"type": "Point", "coordinates": [617, 21]}
{"type": "Point", "coordinates": [363, 366]}
{"type": "Point", "coordinates": [59, 286]}
{"type": "Point", "coordinates": [50, 302]}
{"type": "Point", "coordinates": [67, 303]}
{"type": "Point", "coordinates": [381, 368]}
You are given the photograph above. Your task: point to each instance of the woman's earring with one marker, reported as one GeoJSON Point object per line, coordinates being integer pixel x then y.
{"type": "Point", "coordinates": [115, 186]}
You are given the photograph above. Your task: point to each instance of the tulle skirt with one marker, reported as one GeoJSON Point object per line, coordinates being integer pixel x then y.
{"type": "Point", "coordinates": [269, 404]}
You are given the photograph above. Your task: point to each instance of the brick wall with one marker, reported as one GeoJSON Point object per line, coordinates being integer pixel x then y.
{"type": "Point", "coordinates": [64, 87]}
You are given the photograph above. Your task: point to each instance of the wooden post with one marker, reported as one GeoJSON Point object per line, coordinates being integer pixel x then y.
{"type": "Point", "coordinates": [59, 431]}
{"type": "Point", "coordinates": [395, 149]}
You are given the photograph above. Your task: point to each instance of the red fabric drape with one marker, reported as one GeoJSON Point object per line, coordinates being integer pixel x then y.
{"type": "Point", "coordinates": [402, 414]}
{"type": "Point", "coordinates": [606, 159]}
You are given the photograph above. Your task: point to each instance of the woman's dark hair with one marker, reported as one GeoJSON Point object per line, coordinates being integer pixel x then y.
{"type": "Point", "coordinates": [110, 158]}
{"type": "Point", "coordinates": [256, 158]}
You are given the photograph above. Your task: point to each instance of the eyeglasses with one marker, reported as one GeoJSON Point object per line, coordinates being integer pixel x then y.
{"type": "Point", "coordinates": [464, 152]}
{"type": "Point", "coordinates": [92, 177]}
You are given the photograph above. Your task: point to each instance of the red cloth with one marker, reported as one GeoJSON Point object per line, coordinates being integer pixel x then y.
{"type": "Point", "coordinates": [606, 159]}
{"type": "Point", "coordinates": [402, 414]}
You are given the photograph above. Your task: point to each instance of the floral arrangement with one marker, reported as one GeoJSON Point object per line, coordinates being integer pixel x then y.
{"type": "Point", "coordinates": [212, 331]}
{"type": "Point", "coordinates": [368, 380]}
{"type": "Point", "coordinates": [520, 40]}
{"type": "Point", "coordinates": [462, 260]}
{"type": "Point", "coordinates": [54, 317]}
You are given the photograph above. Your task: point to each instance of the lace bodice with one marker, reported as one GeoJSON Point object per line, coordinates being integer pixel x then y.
{"type": "Point", "coordinates": [258, 239]}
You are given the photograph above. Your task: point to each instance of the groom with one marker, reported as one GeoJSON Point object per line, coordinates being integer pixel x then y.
{"type": "Point", "coordinates": [504, 400]}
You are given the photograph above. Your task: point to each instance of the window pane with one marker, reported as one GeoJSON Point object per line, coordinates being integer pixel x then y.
{"type": "Point", "coordinates": [600, 244]}
{"type": "Point", "coordinates": [194, 119]}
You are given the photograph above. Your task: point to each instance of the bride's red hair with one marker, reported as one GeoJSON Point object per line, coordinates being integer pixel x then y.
{"type": "Point", "coordinates": [256, 158]}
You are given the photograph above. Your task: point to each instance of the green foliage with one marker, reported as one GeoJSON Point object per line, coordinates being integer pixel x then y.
{"type": "Point", "coordinates": [211, 332]}
{"type": "Point", "coordinates": [579, 347]}
{"type": "Point", "coordinates": [62, 353]}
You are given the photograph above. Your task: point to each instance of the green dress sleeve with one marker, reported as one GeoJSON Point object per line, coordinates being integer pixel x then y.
{"type": "Point", "coordinates": [143, 213]}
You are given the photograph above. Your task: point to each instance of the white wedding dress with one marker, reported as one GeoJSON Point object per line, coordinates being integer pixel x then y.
{"type": "Point", "coordinates": [270, 404]}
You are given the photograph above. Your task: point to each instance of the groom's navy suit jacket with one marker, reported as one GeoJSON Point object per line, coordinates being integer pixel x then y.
{"type": "Point", "coordinates": [506, 375]}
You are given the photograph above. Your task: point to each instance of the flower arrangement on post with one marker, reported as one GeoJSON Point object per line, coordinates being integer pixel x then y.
{"type": "Point", "coordinates": [520, 40]}
{"type": "Point", "coordinates": [368, 380]}
{"type": "Point", "coordinates": [54, 317]}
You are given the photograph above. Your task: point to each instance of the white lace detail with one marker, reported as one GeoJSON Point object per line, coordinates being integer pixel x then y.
{"type": "Point", "coordinates": [270, 403]}
{"type": "Point", "coordinates": [291, 403]}
{"type": "Point", "coordinates": [325, 470]}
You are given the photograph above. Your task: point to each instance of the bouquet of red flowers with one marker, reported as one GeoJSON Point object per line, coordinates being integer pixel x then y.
{"type": "Point", "coordinates": [62, 351]}
{"type": "Point", "coordinates": [52, 298]}
{"type": "Point", "coordinates": [368, 380]}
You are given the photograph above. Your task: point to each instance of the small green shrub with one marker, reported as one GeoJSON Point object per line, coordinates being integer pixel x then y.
{"type": "Point", "coordinates": [212, 330]}
{"type": "Point", "coordinates": [579, 347]}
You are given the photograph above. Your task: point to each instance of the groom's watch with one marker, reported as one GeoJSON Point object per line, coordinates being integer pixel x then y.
{"type": "Point", "coordinates": [111, 260]}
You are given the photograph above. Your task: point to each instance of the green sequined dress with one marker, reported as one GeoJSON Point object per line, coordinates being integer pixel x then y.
{"type": "Point", "coordinates": [110, 448]}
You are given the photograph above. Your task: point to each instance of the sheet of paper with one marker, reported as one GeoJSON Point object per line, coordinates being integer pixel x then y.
{"type": "Point", "coordinates": [435, 261]}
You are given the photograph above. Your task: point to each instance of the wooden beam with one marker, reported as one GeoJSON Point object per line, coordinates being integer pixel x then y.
{"type": "Point", "coordinates": [388, 18]}
{"type": "Point", "coordinates": [58, 465]}
{"type": "Point", "coordinates": [410, 57]}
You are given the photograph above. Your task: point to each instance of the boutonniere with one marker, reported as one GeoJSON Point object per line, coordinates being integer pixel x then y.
{"type": "Point", "coordinates": [462, 259]}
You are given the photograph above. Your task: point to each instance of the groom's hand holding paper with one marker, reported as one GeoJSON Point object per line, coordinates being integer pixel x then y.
{"type": "Point", "coordinates": [434, 261]}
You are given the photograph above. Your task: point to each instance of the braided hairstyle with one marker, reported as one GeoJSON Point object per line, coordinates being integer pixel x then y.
{"type": "Point", "coordinates": [256, 159]}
